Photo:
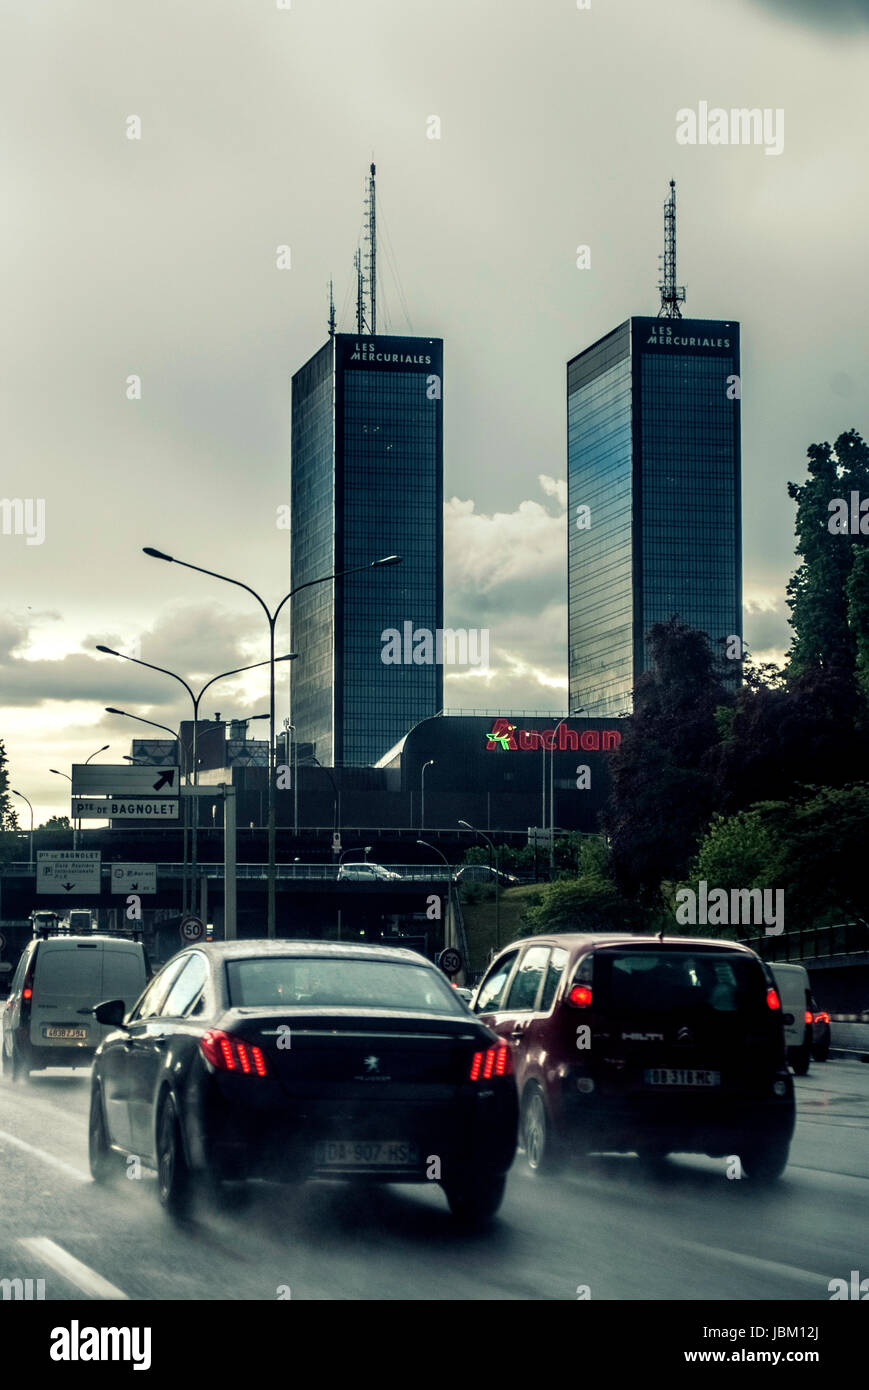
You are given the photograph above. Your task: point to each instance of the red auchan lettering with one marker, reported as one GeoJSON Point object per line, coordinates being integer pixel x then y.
{"type": "Point", "coordinates": [506, 736]}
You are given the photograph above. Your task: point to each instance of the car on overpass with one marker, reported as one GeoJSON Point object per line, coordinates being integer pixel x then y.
{"type": "Point", "coordinates": [366, 873]}
{"type": "Point", "coordinates": [292, 1060]}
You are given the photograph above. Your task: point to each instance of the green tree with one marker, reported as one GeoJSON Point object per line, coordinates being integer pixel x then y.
{"type": "Point", "coordinates": [8, 815]}
{"type": "Point", "coordinates": [56, 823]}
{"type": "Point", "coordinates": [857, 592]}
{"type": "Point", "coordinates": [812, 848]}
{"type": "Point", "coordinates": [662, 785]}
{"type": "Point", "coordinates": [818, 596]}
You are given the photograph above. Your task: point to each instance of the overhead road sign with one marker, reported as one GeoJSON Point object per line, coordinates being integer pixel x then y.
{"type": "Point", "coordinates": [124, 779]}
{"type": "Point", "coordinates": [63, 872]}
{"type": "Point", "coordinates": [134, 878]}
{"type": "Point", "coordinates": [128, 808]}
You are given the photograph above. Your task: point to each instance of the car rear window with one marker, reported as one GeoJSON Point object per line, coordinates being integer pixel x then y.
{"type": "Point", "coordinates": [303, 981]}
{"type": "Point", "coordinates": [68, 970]}
{"type": "Point", "coordinates": [662, 980]}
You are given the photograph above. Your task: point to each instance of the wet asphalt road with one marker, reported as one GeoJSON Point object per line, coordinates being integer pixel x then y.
{"type": "Point", "coordinates": [688, 1234]}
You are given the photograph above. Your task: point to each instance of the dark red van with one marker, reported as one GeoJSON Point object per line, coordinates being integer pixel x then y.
{"type": "Point", "coordinates": [629, 1043]}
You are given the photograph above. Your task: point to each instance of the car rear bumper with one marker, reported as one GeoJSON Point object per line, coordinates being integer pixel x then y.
{"type": "Point", "coordinates": [687, 1121]}
{"type": "Point", "coordinates": [473, 1135]}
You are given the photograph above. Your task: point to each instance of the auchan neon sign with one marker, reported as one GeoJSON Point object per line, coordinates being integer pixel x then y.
{"type": "Point", "coordinates": [506, 736]}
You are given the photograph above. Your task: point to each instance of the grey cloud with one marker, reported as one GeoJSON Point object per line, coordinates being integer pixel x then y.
{"type": "Point", "coordinates": [847, 16]}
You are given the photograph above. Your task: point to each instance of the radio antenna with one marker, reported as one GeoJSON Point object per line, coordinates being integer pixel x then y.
{"type": "Point", "coordinates": [672, 295]}
{"type": "Point", "coordinates": [372, 253]}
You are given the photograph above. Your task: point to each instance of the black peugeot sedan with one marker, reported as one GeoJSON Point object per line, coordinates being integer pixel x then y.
{"type": "Point", "coordinates": [291, 1060]}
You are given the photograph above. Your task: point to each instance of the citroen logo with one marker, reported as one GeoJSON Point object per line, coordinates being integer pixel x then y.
{"type": "Point", "coordinates": [684, 1035]}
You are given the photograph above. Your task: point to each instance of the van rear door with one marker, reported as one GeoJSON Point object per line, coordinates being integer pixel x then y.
{"type": "Point", "coordinates": [68, 977]}
{"type": "Point", "coordinates": [123, 975]}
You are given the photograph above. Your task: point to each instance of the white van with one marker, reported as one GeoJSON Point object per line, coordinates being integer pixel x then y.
{"type": "Point", "coordinates": [47, 1020]}
{"type": "Point", "coordinates": [794, 990]}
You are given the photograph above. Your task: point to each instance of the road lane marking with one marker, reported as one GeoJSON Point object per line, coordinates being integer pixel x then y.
{"type": "Point", "coordinates": [805, 1276]}
{"type": "Point", "coordinates": [72, 1269]}
{"type": "Point", "coordinates": [57, 1163]}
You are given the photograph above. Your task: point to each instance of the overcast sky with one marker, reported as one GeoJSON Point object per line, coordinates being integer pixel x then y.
{"type": "Point", "coordinates": [156, 257]}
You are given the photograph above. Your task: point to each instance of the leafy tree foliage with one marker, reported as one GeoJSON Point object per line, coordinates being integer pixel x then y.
{"type": "Point", "coordinates": [8, 815]}
{"type": "Point", "coordinates": [814, 849]}
{"type": "Point", "coordinates": [663, 791]}
{"type": "Point", "coordinates": [826, 626]}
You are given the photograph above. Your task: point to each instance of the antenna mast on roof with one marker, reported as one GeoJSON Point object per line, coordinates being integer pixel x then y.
{"type": "Point", "coordinates": [360, 292]}
{"type": "Point", "coordinates": [331, 312]}
{"type": "Point", "coordinates": [372, 253]}
{"type": "Point", "coordinates": [672, 295]}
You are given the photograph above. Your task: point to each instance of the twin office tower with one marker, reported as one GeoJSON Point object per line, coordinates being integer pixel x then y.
{"type": "Point", "coordinates": [653, 458]}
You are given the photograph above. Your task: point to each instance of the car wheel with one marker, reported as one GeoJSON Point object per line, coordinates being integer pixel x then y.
{"type": "Point", "coordinates": [474, 1204]}
{"type": "Point", "coordinates": [173, 1174]}
{"type": "Point", "coordinates": [103, 1161]}
{"type": "Point", "coordinates": [538, 1138]}
{"type": "Point", "coordinates": [800, 1058]}
{"type": "Point", "coordinates": [822, 1053]}
{"type": "Point", "coordinates": [764, 1163]}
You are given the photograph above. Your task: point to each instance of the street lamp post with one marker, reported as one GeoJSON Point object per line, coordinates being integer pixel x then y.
{"type": "Point", "coordinates": [74, 820]}
{"type": "Point", "coordinates": [467, 825]}
{"type": "Point", "coordinates": [295, 765]}
{"type": "Point", "coordinates": [109, 651]}
{"type": "Point", "coordinates": [430, 763]}
{"type": "Point", "coordinates": [24, 798]}
{"type": "Point", "coordinates": [271, 618]}
{"type": "Point", "coordinates": [425, 844]}
{"type": "Point", "coordinates": [571, 715]}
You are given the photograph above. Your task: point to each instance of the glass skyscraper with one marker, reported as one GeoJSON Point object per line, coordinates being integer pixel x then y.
{"type": "Point", "coordinates": [366, 482]}
{"type": "Point", "coordinates": [653, 454]}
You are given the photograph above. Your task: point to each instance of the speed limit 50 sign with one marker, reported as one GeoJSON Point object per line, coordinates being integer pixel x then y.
{"type": "Point", "coordinates": [191, 929]}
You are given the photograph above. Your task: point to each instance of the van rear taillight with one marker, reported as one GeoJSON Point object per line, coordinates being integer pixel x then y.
{"type": "Point", "coordinates": [228, 1053]}
{"type": "Point", "coordinates": [772, 1000]}
{"type": "Point", "coordinates": [495, 1061]}
{"type": "Point", "coordinates": [27, 993]}
{"type": "Point", "coordinates": [580, 997]}
{"type": "Point", "coordinates": [809, 1018]}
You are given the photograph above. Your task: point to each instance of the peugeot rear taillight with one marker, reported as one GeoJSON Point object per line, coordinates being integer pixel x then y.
{"type": "Point", "coordinates": [772, 1000]}
{"type": "Point", "coordinates": [495, 1061]}
{"type": "Point", "coordinates": [226, 1052]}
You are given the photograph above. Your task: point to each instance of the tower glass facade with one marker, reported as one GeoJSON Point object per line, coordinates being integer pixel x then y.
{"type": "Point", "coordinates": [367, 481]}
{"type": "Point", "coordinates": [654, 452]}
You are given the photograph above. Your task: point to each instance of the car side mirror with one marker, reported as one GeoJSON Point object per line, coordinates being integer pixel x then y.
{"type": "Point", "coordinates": [111, 1012]}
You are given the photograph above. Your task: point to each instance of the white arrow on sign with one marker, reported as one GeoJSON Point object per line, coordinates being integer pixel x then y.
{"type": "Point", "coordinates": [63, 872]}
{"type": "Point", "coordinates": [125, 779]}
{"type": "Point", "coordinates": [134, 878]}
